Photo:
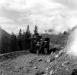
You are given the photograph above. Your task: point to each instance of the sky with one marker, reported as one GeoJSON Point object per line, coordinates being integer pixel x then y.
{"type": "Point", "coordinates": [59, 15]}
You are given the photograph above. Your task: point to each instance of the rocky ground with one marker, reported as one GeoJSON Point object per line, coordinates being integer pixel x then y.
{"type": "Point", "coordinates": [31, 64]}
{"type": "Point", "coordinates": [27, 64]}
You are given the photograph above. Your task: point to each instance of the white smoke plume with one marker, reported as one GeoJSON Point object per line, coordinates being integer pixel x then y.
{"type": "Point", "coordinates": [71, 47]}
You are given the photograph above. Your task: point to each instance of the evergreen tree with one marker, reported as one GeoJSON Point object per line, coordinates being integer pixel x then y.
{"type": "Point", "coordinates": [36, 39]}
{"type": "Point", "coordinates": [20, 34]}
{"type": "Point", "coordinates": [36, 31]}
{"type": "Point", "coordinates": [13, 42]}
{"type": "Point", "coordinates": [28, 34]}
{"type": "Point", "coordinates": [27, 38]}
{"type": "Point", "coordinates": [20, 40]}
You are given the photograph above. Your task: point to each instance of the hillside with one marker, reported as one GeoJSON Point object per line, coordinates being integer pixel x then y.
{"type": "Point", "coordinates": [31, 64]}
{"type": "Point", "coordinates": [57, 40]}
{"type": "Point", "coordinates": [4, 39]}
{"type": "Point", "coordinates": [3, 33]}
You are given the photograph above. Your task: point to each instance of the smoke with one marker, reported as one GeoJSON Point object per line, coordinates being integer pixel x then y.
{"type": "Point", "coordinates": [72, 42]}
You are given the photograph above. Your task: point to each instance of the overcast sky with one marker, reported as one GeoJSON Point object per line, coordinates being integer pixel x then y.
{"type": "Point", "coordinates": [47, 14]}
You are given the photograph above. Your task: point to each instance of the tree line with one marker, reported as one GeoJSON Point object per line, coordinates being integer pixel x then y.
{"type": "Point", "coordinates": [23, 41]}
{"type": "Point", "coordinates": [33, 43]}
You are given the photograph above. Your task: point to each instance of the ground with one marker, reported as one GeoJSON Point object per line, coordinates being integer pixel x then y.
{"type": "Point", "coordinates": [30, 64]}
{"type": "Point", "coordinates": [27, 64]}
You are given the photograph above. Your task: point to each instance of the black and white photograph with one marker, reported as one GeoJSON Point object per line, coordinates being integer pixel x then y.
{"type": "Point", "coordinates": [38, 37]}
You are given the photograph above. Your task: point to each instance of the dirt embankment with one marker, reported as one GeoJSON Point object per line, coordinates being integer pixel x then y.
{"type": "Point", "coordinates": [21, 63]}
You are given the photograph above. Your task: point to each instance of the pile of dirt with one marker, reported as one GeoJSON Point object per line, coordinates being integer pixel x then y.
{"type": "Point", "coordinates": [58, 63]}
{"type": "Point", "coordinates": [61, 64]}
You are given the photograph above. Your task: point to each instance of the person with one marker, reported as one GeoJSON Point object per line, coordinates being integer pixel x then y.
{"type": "Point", "coordinates": [38, 47]}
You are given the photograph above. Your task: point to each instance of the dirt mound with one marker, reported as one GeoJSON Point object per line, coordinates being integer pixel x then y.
{"type": "Point", "coordinates": [61, 64]}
